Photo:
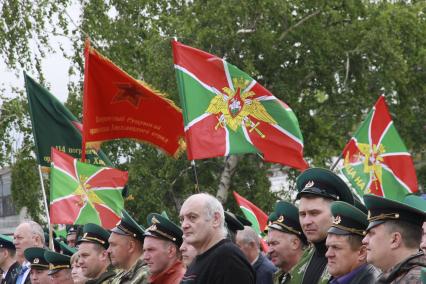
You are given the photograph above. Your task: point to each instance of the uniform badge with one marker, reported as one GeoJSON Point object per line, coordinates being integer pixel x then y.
{"type": "Point", "coordinates": [280, 219]}
{"type": "Point", "coordinates": [309, 184]}
{"type": "Point", "coordinates": [337, 220]}
{"type": "Point", "coordinates": [36, 260]}
{"type": "Point", "coordinates": [154, 220]}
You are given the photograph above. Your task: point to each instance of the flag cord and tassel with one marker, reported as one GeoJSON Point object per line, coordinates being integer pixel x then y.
{"type": "Point", "coordinates": [43, 191]}
{"type": "Point", "coordinates": [194, 166]}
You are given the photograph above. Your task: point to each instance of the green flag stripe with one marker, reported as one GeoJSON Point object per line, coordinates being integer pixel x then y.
{"type": "Point", "coordinates": [61, 184]}
{"type": "Point", "coordinates": [235, 72]}
{"type": "Point", "coordinates": [88, 214]}
{"type": "Point", "coordinates": [362, 135]}
{"type": "Point", "coordinates": [393, 142]}
{"type": "Point", "coordinates": [252, 218]}
{"type": "Point", "coordinates": [239, 142]}
{"type": "Point", "coordinates": [205, 86]}
{"type": "Point", "coordinates": [111, 200]}
{"type": "Point", "coordinates": [398, 181]}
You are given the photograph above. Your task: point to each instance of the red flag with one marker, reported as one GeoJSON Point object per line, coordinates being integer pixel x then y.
{"type": "Point", "coordinates": [256, 216]}
{"type": "Point", "coordinates": [118, 106]}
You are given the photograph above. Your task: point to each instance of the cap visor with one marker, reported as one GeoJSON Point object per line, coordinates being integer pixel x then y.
{"type": "Point", "coordinates": [373, 224]}
{"type": "Point", "coordinates": [338, 231]}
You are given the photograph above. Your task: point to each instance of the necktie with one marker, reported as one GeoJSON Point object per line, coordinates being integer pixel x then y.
{"type": "Point", "coordinates": [20, 278]}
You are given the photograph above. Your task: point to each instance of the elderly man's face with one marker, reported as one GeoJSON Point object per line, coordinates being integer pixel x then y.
{"type": "Point", "coordinates": [196, 226]}
{"type": "Point", "coordinates": [423, 244]}
{"type": "Point", "coordinates": [279, 247]}
{"type": "Point", "coordinates": [24, 238]}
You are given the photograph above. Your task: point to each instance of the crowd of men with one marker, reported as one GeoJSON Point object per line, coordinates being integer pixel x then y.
{"type": "Point", "coordinates": [330, 237]}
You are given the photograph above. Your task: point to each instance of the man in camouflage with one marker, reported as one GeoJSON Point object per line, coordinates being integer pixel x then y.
{"type": "Point", "coordinates": [125, 249]}
{"type": "Point", "coordinates": [393, 238]}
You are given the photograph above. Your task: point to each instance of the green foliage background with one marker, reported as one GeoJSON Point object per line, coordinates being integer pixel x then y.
{"type": "Point", "coordinates": [328, 59]}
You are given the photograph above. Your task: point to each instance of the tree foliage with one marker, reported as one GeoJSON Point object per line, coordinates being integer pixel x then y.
{"type": "Point", "coordinates": [329, 60]}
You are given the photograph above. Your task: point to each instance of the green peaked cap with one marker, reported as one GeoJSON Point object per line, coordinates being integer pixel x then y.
{"type": "Point", "coordinates": [285, 218]}
{"type": "Point", "coordinates": [323, 183]}
{"type": "Point", "coordinates": [347, 219]}
{"type": "Point", "coordinates": [94, 233]}
{"type": "Point", "coordinates": [163, 228]}
{"type": "Point", "coordinates": [66, 249]}
{"type": "Point", "coordinates": [381, 209]}
{"type": "Point", "coordinates": [57, 261]}
{"type": "Point", "coordinates": [6, 242]}
{"type": "Point", "coordinates": [415, 201]}
{"type": "Point", "coordinates": [127, 226]}
{"type": "Point", "coordinates": [35, 256]}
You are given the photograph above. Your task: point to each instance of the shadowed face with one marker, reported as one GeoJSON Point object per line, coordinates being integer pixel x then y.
{"type": "Point", "coordinates": [157, 254]}
{"type": "Point", "coordinates": [378, 243]}
{"type": "Point", "coordinates": [279, 247]}
{"type": "Point", "coordinates": [63, 276]}
{"type": "Point", "coordinates": [341, 259]}
{"type": "Point", "coordinates": [315, 218]}
{"type": "Point", "coordinates": [118, 249]}
{"type": "Point", "coordinates": [188, 253]}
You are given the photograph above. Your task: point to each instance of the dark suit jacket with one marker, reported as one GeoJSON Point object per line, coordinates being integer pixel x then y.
{"type": "Point", "coordinates": [12, 274]}
{"type": "Point", "coordinates": [264, 269]}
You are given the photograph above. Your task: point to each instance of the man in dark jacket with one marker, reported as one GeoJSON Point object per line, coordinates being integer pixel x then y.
{"type": "Point", "coordinates": [8, 263]}
{"type": "Point", "coordinates": [346, 255]}
{"type": "Point", "coordinates": [248, 241]}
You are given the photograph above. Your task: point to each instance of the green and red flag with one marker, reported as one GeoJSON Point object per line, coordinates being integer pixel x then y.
{"type": "Point", "coordinates": [228, 112]}
{"type": "Point", "coordinates": [376, 160]}
{"type": "Point", "coordinates": [255, 215]}
{"type": "Point", "coordinates": [81, 193]}
{"type": "Point", "coordinates": [54, 125]}
{"type": "Point", "coordinates": [116, 105]}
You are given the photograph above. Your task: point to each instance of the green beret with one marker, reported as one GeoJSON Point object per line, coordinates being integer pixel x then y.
{"type": "Point", "coordinates": [381, 209]}
{"type": "Point", "coordinates": [127, 226]}
{"type": "Point", "coordinates": [93, 233]}
{"type": "Point", "coordinates": [415, 201]}
{"type": "Point", "coordinates": [323, 183]}
{"type": "Point", "coordinates": [57, 261]}
{"type": "Point", "coordinates": [232, 222]}
{"type": "Point", "coordinates": [347, 219]}
{"type": "Point", "coordinates": [285, 218]}
{"type": "Point", "coordinates": [163, 228]}
{"type": "Point", "coordinates": [6, 242]}
{"type": "Point", "coordinates": [35, 256]}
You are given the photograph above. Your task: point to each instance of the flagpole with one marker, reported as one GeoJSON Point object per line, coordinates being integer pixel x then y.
{"type": "Point", "coordinates": [194, 166]}
{"type": "Point", "coordinates": [337, 162]}
{"type": "Point", "coordinates": [43, 191]}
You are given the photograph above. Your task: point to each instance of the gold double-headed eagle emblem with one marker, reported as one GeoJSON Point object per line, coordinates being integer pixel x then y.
{"type": "Point", "coordinates": [234, 107]}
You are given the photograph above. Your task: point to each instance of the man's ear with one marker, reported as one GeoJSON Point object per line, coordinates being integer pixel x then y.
{"type": "Point", "coordinates": [216, 219]}
{"type": "Point", "coordinates": [362, 254]}
{"type": "Point", "coordinates": [396, 240]}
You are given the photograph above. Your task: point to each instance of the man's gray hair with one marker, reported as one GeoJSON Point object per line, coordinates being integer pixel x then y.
{"type": "Point", "coordinates": [249, 235]}
{"type": "Point", "coordinates": [36, 229]}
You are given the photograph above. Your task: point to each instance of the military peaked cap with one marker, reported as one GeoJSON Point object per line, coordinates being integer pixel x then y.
{"type": "Point", "coordinates": [35, 256]}
{"type": "Point", "coordinates": [57, 261]}
{"type": "Point", "coordinates": [6, 242]}
{"type": "Point", "coordinates": [93, 233]}
{"type": "Point", "coordinates": [161, 227]}
{"type": "Point", "coordinates": [127, 226]}
{"type": "Point", "coordinates": [347, 219]}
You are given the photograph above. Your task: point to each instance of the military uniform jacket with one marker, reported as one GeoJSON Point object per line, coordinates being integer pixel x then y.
{"type": "Point", "coordinates": [105, 278]}
{"type": "Point", "coordinates": [367, 275]}
{"type": "Point", "coordinates": [406, 272]}
{"type": "Point", "coordinates": [11, 274]}
{"type": "Point", "coordinates": [173, 275]}
{"type": "Point", "coordinates": [297, 273]}
{"type": "Point", "coordinates": [137, 274]}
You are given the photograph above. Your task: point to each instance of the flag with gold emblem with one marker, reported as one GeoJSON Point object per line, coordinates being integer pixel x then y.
{"type": "Point", "coordinates": [376, 160]}
{"type": "Point", "coordinates": [81, 193]}
{"type": "Point", "coordinates": [115, 105]}
{"type": "Point", "coordinates": [228, 112]}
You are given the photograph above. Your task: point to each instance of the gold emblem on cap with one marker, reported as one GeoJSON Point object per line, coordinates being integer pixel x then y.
{"type": "Point", "coordinates": [280, 219]}
{"type": "Point", "coordinates": [36, 260]}
{"type": "Point", "coordinates": [337, 220]}
{"type": "Point", "coordinates": [309, 184]}
{"type": "Point", "coordinates": [154, 220]}
{"type": "Point", "coordinates": [153, 227]}
{"type": "Point", "coordinates": [369, 215]}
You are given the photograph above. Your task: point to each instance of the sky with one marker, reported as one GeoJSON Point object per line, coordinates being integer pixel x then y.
{"type": "Point", "coordinates": [54, 66]}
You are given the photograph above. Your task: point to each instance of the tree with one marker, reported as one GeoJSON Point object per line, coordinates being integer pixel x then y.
{"type": "Point", "coordinates": [329, 60]}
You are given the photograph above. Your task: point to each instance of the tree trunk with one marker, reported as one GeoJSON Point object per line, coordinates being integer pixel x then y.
{"type": "Point", "coordinates": [231, 163]}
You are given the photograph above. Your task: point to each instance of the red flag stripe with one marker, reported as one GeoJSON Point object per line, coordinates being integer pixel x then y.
{"type": "Point", "coordinates": [197, 61]}
{"type": "Point", "coordinates": [64, 163]}
{"type": "Point", "coordinates": [379, 122]}
{"type": "Point", "coordinates": [108, 178]}
{"type": "Point", "coordinates": [110, 217]}
{"type": "Point", "coordinates": [410, 179]}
